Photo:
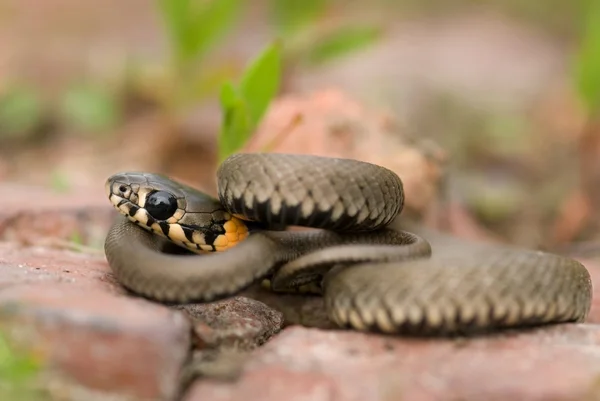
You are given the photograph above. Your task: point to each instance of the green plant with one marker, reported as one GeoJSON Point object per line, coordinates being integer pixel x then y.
{"type": "Point", "coordinates": [21, 111]}
{"type": "Point", "coordinates": [296, 24]}
{"type": "Point", "coordinates": [293, 16]}
{"type": "Point", "coordinates": [193, 29]}
{"type": "Point", "coordinates": [18, 371]}
{"type": "Point", "coordinates": [90, 108]}
{"type": "Point", "coordinates": [310, 43]}
{"type": "Point", "coordinates": [587, 62]}
{"type": "Point", "coordinates": [244, 106]}
{"type": "Point", "coordinates": [341, 42]}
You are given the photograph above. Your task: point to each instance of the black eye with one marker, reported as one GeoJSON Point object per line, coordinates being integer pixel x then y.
{"type": "Point", "coordinates": [122, 188]}
{"type": "Point", "coordinates": [161, 205]}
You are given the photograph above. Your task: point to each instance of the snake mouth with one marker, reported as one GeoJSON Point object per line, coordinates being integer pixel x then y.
{"type": "Point", "coordinates": [122, 192]}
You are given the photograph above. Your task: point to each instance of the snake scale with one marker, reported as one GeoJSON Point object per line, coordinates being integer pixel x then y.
{"type": "Point", "coordinates": [373, 276]}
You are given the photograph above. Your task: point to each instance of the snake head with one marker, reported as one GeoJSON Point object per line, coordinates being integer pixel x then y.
{"type": "Point", "coordinates": [146, 198]}
{"type": "Point", "coordinates": [182, 214]}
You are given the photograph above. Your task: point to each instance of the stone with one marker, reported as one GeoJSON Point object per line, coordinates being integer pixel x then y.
{"type": "Point", "coordinates": [69, 308]}
{"type": "Point", "coordinates": [297, 309]}
{"type": "Point", "coordinates": [332, 123]}
{"type": "Point", "coordinates": [240, 323]}
{"type": "Point", "coordinates": [104, 342]}
{"type": "Point", "coordinates": [98, 339]}
{"type": "Point", "coordinates": [62, 219]}
{"type": "Point", "coordinates": [557, 363]}
{"type": "Point", "coordinates": [21, 265]}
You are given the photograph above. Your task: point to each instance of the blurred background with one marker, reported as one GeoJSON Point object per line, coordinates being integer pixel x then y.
{"type": "Point", "coordinates": [506, 90]}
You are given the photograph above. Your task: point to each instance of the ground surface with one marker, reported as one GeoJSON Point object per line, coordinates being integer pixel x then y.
{"type": "Point", "coordinates": [98, 341]}
{"type": "Point", "coordinates": [59, 298]}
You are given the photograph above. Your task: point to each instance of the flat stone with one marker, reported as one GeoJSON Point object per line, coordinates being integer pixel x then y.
{"type": "Point", "coordinates": [241, 323]}
{"type": "Point", "coordinates": [100, 341]}
{"type": "Point", "coordinates": [33, 215]}
{"type": "Point", "coordinates": [68, 307]}
{"type": "Point", "coordinates": [21, 265]}
{"type": "Point", "coordinates": [558, 363]}
{"type": "Point", "coordinates": [297, 309]}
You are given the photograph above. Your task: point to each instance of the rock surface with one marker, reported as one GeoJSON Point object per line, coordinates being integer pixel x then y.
{"type": "Point", "coordinates": [83, 215]}
{"type": "Point", "coordinates": [101, 341]}
{"type": "Point", "coordinates": [95, 338]}
{"type": "Point", "coordinates": [241, 323]}
{"type": "Point", "coordinates": [67, 307]}
{"type": "Point", "coordinates": [301, 310]}
{"type": "Point", "coordinates": [561, 363]}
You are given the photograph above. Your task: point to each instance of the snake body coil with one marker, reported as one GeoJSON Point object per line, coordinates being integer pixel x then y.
{"type": "Point", "coordinates": [373, 277]}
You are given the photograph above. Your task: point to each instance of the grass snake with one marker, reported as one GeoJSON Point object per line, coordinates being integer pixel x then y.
{"type": "Point", "coordinates": [373, 275]}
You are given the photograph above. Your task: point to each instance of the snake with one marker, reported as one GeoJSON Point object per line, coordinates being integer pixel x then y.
{"type": "Point", "coordinates": [175, 244]}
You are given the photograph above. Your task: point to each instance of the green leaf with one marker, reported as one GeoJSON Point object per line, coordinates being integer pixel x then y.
{"type": "Point", "coordinates": [175, 14]}
{"type": "Point", "coordinates": [587, 64]}
{"type": "Point", "coordinates": [229, 95]}
{"type": "Point", "coordinates": [244, 107]}
{"type": "Point", "coordinates": [342, 42]}
{"type": "Point", "coordinates": [20, 111]}
{"type": "Point", "coordinates": [210, 24]}
{"type": "Point", "coordinates": [18, 371]}
{"type": "Point", "coordinates": [193, 27]}
{"type": "Point", "coordinates": [292, 15]}
{"type": "Point", "coordinates": [260, 82]}
{"type": "Point", "coordinates": [90, 108]}
{"type": "Point", "coordinates": [236, 127]}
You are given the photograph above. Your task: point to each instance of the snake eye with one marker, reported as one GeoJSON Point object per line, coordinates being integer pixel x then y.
{"type": "Point", "coordinates": [161, 205]}
{"type": "Point", "coordinates": [122, 189]}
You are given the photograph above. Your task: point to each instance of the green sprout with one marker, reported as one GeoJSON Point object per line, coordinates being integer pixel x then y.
{"type": "Point", "coordinates": [18, 372]}
{"type": "Point", "coordinates": [244, 106]}
{"type": "Point", "coordinates": [587, 63]}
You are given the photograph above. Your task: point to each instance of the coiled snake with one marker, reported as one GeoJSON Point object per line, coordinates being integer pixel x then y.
{"type": "Point", "coordinates": [373, 277]}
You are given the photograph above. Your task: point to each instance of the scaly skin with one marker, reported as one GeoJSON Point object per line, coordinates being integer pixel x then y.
{"type": "Point", "coordinates": [384, 279]}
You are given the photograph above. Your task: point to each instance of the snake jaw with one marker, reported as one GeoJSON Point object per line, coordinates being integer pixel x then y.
{"type": "Point", "coordinates": [124, 189]}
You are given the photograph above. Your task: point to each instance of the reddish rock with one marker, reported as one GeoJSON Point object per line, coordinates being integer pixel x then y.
{"type": "Point", "coordinates": [239, 323]}
{"type": "Point", "coordinates": [101, 341]}
{"type": "Point", "coordinates": [21, 265]}
{"type": "Point", "coordinates": [560, 363]}
{"type": "Point", "coordinates": [302, 310]}
{"type": "Point", "coordinates": [333, 123]}
{"type": "Point", "coordinates": [17, 198]}
{"type": "Point", "coordinates": [67, 307]}
{"type": "Point", "coordinates": [32, 215]}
